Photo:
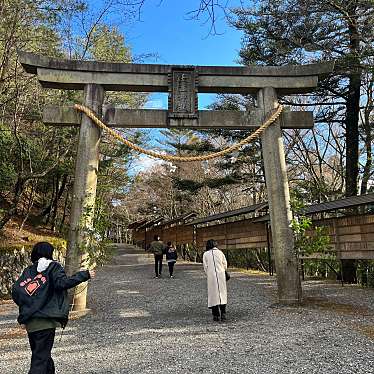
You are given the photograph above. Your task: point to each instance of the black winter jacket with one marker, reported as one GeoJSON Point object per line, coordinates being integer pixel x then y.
{"type": "Point", "coordinates": [171, 255]}
{"type": "Point", "coordinates": [44, 295]}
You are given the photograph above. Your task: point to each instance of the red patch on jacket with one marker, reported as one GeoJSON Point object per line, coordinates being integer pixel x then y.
{"type": "Point", "coordinates": [32, 287]}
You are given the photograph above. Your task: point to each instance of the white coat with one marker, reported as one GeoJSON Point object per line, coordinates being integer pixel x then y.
{"type": "Point", "coordinates": [215, 264]}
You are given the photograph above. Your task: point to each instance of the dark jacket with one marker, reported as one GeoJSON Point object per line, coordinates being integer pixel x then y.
{"type": "Point", "coordinates": [171, 255]}
{"type": "Point", "coordinates": [44, 295]}
{"type": "Point", "coordinates": [157, 247]}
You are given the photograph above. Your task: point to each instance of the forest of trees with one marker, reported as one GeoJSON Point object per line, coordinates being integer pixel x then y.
{"type": "Point", "coordinates": [331, 161]}
{"type": "Point", "coordinates": [36, 161]}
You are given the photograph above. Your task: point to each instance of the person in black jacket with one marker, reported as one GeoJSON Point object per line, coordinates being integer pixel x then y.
{"type": "Point", "coordinates": [157, 247]}
{"type": "Point", "coordinates": [171, 258]}
{"type": "Point", "coordinates": [41, 295]}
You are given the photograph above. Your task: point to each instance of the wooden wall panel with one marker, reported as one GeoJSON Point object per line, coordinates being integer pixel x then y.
{"type": "Point", "coordinates": [351, 237]}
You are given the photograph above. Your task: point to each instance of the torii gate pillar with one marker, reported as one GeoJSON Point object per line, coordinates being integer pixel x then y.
{"type": "Point", "coordinates": [288, 278]}
{"type": "Point", "coordinates": [84, 192]}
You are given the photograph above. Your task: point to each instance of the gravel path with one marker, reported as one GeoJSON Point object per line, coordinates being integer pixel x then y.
{"type": "Point", "coordinates": [143, 325]}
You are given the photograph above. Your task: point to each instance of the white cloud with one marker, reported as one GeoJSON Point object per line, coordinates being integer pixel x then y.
{"type": "Point", "coordinates": [157, 100]}
{"type": "Point", "coordinates": [153, 104]}
{"type": "Point", "coordinates": [143, 163]}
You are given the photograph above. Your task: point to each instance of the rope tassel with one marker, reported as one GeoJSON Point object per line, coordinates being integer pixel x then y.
{"type": "Point", "coordinates": [166, 157]}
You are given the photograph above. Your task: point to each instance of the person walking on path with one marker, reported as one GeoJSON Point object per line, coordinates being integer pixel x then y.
{"type": "Point", "coordinates": [171, 258]}
{"type": "Point", "coordinates": [215, 266]}
{"type": "Point", "coordinates": [157, 247]}
{"type": "Point", "coordinates": [41, 295]}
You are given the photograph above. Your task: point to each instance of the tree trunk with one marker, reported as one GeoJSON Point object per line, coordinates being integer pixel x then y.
{"type": "Point", "coordinates": [368, 165]}
{"type": "Point", "coordinates": [60, 188]}
{"type": "Point", "coordinates": [368, 140]}
{"type": "Point", "coordinates": [352, 135]}
{"type": "Point", "coordinates": [47, 211]}
{"type": "Point", "coordinates": [352, 132]}
{"type": "Point", "coordinates": [64, 214]}
{"type": "Point", "coordinates": [18, 190]}
{"type": "Point", "coordinates": [30, 203]}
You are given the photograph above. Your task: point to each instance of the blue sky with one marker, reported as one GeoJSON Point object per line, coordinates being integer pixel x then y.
{"type": "Point", "coordinates": [165, 30]}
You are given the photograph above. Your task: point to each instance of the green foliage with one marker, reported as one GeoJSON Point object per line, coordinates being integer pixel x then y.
{"type": "Point", "coordinates": [41, 157]}
{"type": "Point", "coordinates": [187, 185]}
{"type": "Point", "coordinates": [296, 201]}
{"type": "Point", "coordinates": [59, 245]}
{"type": "Point", "coordinates": [108, 44]}
{"type": "Point", "coordinates": [193, 186]}
{"type": "Point", "coordinates": [245, 165]}
{"type": "Point", "coordinates": [323, 268]}
{"type": "Point", "coordinates": [196, 147]}
{"type": "Point", "coordinates": [100, 252]}
{"type": "Point", "coordinates": [248, 258]}
{"type": "Point", "coordinates": [309, 239]}
{"type": "Point", "coordinates": [93, 227]}
{"type": "Point", "coordinates": [365, 273]}
{"type": "Point", "coordinates": [8, 172]}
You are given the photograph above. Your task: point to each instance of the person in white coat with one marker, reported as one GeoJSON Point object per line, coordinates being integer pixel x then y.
{"type": "Point", "coordinates": [215, 265]}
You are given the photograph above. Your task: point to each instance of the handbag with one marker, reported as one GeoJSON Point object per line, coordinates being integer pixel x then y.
{"type": "Point", "coordinates": [227, 275]}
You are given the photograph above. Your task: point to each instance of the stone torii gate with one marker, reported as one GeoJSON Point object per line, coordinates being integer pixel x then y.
{"type": "Point", "coordinates": [182, 83]}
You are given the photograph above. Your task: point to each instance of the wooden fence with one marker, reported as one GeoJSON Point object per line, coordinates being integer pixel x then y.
{"type": "Point", "coordinates": [351, 237]}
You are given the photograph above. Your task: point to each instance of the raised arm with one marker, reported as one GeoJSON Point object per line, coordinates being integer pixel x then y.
{"type": "Point", "coordinates": [62, 282]}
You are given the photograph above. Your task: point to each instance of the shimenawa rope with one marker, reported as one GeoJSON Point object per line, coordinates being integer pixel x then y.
{"type": "Point", "coordinates": [89, 113]}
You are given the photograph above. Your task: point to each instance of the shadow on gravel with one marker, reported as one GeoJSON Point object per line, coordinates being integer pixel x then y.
{"type": "Point", "coordinates": [339, 308]}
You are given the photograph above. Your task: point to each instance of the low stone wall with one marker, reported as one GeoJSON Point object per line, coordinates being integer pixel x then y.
{"type": "Point", "coordinates": [12, 262]}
